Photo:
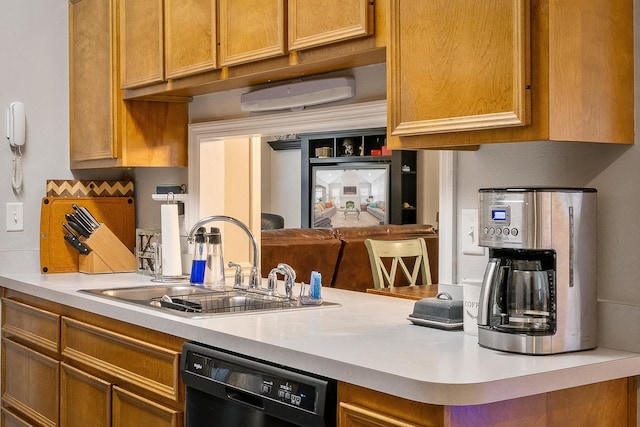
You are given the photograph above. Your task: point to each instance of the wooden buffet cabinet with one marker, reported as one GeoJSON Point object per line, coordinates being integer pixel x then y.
{"type": "Point", "coordinates": [66, 367]}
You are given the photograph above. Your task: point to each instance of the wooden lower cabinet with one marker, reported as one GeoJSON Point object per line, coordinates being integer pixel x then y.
{"type": "Point", "coordinates": [66, 367]}
{"type": "Point", "coordinates": [28, 378]}
{"type": "Point", "coordinates": [130, 409]}
{"type": "Point", "coordinates": [608, 403]}
{"type": "Point", "coordinates": [85, 400]}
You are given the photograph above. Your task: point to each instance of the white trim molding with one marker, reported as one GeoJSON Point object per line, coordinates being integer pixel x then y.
{"type": "Point", "coordinates": [344, 117]}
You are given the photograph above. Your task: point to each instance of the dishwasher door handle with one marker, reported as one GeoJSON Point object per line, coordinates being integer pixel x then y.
{"type": "Point", "coordinates": [245, 398]}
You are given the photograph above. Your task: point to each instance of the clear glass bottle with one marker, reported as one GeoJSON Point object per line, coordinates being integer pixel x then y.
{"type": "Point", "coordinates": [214, 271]}
{"type": "Point", "coordinates": [199, 258]}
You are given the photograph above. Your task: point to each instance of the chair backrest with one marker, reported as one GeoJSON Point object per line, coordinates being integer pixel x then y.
{"type": "Point", "coordinates": [399, 252]}
{"type": "Point", "coordinates": [271, 221]}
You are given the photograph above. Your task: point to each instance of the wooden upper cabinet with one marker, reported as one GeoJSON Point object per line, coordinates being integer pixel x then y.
{"type": "Point", "coordinates": [141, 43]}
{"type": "Point", "coordinates": [457, 66]}
{"type": "Point", "coordinates": [92, 123]}
{"type": "Point", "coordinates": [105, 130]}
{"type": "Point", "coordinates": [340, 20]}
{"type": "Point", "coordinates": [459, 73]}
{"type": "Point", "coordinates": [251, 30]}
{"type": "Point", "coordinates": [189, 37]}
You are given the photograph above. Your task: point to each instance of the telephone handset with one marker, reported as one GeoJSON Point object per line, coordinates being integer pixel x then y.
{"type": "Point", "coordinates": [16, 134]}
{"type": "Point", "coordinates": [16, 124]}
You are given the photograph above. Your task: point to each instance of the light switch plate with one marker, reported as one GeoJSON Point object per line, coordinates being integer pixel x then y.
{"type": "Point", "coordinates": [470, 233]}
{"type": "Point", "coordinates": [15, 217]}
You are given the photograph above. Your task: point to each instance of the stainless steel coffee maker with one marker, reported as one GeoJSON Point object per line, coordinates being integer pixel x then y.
{"type": "Point", "coordinates": [539, 290]}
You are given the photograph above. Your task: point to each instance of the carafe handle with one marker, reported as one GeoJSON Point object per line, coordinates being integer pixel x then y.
{"type": "Point", "coordinates": [490, 276]}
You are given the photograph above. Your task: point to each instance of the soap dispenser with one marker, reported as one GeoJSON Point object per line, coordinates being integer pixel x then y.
{"type": "Point", "coordinates": [214, 271]}
{"type": "Point", "coordinates": [199, 258]}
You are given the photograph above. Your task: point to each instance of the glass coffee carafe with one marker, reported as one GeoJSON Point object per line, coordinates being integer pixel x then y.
{"type": "Point", "coordinates": [528, 295]}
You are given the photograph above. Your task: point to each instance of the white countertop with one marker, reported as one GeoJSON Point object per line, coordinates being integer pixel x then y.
{"type": "Point", "coordinates": [366, 341]}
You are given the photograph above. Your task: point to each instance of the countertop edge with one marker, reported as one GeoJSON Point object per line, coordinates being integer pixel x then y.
{"type": "Point", "coordinates": [601, 364]}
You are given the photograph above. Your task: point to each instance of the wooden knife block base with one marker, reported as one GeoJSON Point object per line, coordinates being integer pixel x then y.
{"type": "Point", "coordinates": [108, 254]}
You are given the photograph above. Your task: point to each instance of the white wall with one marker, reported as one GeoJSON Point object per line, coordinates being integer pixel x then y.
{"type": "Point", "coordinates": [33, 70]}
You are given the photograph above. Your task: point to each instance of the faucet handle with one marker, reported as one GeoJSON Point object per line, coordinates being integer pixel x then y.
{"type": "Point", "coordinates": [254, 278]}
{"type": "Point", "coordinates": [290, 278]}
{"type": "Point", "coordinates": [238, 280]}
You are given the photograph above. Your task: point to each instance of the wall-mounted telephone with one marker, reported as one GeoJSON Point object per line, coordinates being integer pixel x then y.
{"type": "Point", "coordinates": [16, 124]}
{"type": "Point", "coordinates": [16, 134]}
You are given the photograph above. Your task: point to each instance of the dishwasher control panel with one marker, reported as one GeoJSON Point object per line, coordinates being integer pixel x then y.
{"type": "Point", "coordinates": [253, 378]}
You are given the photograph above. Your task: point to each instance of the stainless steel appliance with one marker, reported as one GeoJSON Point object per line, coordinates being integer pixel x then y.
{"type": "Point", "coordinates": [225, 389]}
{"type": "Point", "coordinates": [539, 290]}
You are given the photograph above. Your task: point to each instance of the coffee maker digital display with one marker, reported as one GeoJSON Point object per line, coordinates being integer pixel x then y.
{"type": "Point", "coordinates": [499, 215]}
{"type": "Point", "coordinates": [539, 289]}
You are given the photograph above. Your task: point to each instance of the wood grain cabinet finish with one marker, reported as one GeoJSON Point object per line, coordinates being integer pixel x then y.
{"type": "Point", "coordinates": [141, 42]}
{"type": "Point", "coordinates": [251, 30]}
{"type": "Point", "coordinates": [85, 400]}
{"type": "Point", "coordinates": [454, 68]}
{"type": "Point", "coordinates": [59, 370]}
{"type": "Point", "coordinates": [609, 403]}
{"type": "Point", "coordinates": [9, 419]}
{"type": "Point", "coordinates": [93, 116]}
{"type": "Point", "coordinates": [148, 369]}
{"type": "Point", "coordinates": [105, 130]}
{"type": "Point", "coordinates": [189, 37]}
{"type": "Point", "coordinates": [29, 384]}
{"type": "Point", "coordinates": [31, 326]}
{"type": "Point", "coordinates": [130, 409]}
{"type": "Point", "coordinates": [341, 20]}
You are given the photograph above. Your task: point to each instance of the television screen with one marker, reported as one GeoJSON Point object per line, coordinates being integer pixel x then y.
{"type": "Point", "coordinates": [353, 196]}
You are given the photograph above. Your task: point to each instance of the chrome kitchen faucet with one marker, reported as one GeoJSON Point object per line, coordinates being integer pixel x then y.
{"type": "Point", "coordinates": [254, 276]}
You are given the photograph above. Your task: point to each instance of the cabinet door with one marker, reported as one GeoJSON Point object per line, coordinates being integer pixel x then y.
{"type": "Point", "coordinates": [132, 410]}
{"type": "Point", "coordinates": [189, 37]}
{"type": "Point", "coordinates": [457, 66]}
{"type": "Point", "coordinates": [361, 407]}
{"type": "Point", "coordinates": [251, 30]}
{"type": "Point", "coordinates": [341, 20]}
{"type": "Point", "coordinates": [141, 43]}
{"type": "Point", "coordinates": [30, 383]}
{"type": "Point", "coordinates": [85, 400]}
{"type": "Point", "coordinates": [145, 368]}
{"type": "Point", "coordinates": [92, 124]}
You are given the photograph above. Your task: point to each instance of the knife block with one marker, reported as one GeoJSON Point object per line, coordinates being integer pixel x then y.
{"type": "Point", "coordinates": [108, 254]}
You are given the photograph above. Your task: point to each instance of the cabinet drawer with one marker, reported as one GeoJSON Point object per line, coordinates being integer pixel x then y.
{"type": "Point", "coordinates": [132, 410]}
{"type": "Point", "coordinates": [9, 419]}
{"type": "Point", "coordinates": [145, 368]}
{"type": "Point", "coordinates": [22, 368]}
{"type": "Point", "coordinates": [33, 327]}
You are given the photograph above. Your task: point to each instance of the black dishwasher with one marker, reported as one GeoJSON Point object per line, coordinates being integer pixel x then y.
{"type": "Point", "coordinates": [226, 389]}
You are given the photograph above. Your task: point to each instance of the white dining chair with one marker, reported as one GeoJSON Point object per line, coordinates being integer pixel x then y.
{"type": "Point", "coordinates": [399, 252]}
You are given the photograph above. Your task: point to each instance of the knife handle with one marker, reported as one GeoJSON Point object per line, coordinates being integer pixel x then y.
{"type": "Point", "coordinates": [77, 244]}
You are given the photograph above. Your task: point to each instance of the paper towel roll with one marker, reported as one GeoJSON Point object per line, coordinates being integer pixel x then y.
{"type": "Point", "coordinates": [171, 259]}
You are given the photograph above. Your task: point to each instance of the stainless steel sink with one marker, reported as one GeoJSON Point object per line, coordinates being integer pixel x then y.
{"type": "Point", "coordinates": [194, 302]}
